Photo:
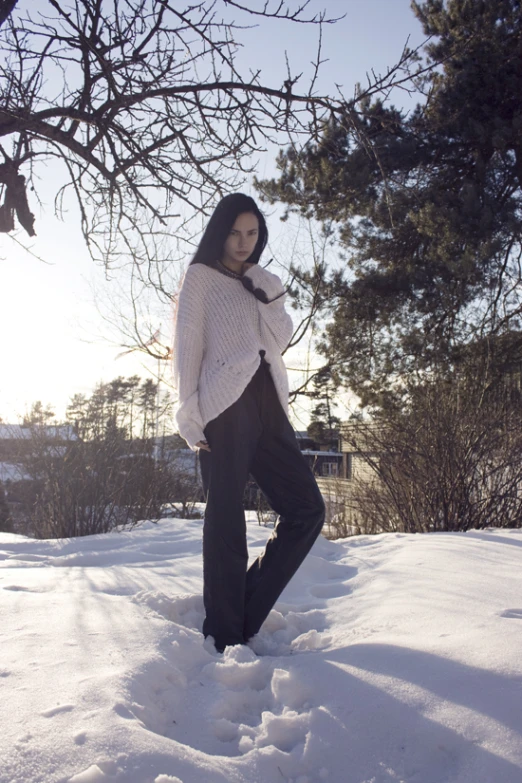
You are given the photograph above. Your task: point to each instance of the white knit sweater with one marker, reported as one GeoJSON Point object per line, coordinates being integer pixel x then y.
{"type": "Point", "coordinates": [220, 327]}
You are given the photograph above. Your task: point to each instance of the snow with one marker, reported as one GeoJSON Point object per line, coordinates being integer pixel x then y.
{"type": "Point", "coordinates": [388, 658]}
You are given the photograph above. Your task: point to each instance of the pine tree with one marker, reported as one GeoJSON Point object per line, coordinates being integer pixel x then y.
{"type": "Point", "coordinates": [428, 206]}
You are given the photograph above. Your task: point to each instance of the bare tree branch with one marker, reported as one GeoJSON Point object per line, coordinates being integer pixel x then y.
{"type": "Point", "coordinates": [283, 12]}
{"type": "Point", "coordinates": [144, 104]}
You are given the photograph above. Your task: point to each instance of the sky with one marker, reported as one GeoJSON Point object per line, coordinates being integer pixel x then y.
{"type": "Point", "coordinates": [58, 313]}
{"type": "Point", "coordinates": [392, 658]}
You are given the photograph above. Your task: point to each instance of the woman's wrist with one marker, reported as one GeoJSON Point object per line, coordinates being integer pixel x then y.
{"type": "Point", "coordinates": [264, 285]}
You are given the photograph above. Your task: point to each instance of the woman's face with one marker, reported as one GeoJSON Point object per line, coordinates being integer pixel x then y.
{"type": "Point", "coordinates": [241, 241]}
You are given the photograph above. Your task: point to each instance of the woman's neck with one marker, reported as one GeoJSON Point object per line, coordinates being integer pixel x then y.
{"type": "Point", "coordinates": [234, 266]}
{"type": "Point", "coordinates": [225, 270]}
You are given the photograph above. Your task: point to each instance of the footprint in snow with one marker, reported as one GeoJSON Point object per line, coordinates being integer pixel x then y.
{"type": "Point", "coordinates": [229, 703]}
{"type": "Point", "coordinates": [24, 589]}
{"type": "Point", "coordinates": [288, 629]}
{"type": "Point", "coordinates": [258, 704]}
{"type": "Point", "coordinates": [186, 610]}
{"type": "Point", "coordinates": [291, 629]}
{"type": "Point", "coordinates": [57, 710]}
{"type": "Point", "coordinates": [330, 590]}
{"type": "Point", "coordinates": [514, 614]}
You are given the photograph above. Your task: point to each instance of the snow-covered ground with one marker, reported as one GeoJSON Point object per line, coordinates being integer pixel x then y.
{"type": "Point", "coordinates": [389, 658]}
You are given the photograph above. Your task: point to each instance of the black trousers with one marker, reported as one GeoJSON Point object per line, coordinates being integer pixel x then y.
{"type": "Point", "coordinates": [253, 436]}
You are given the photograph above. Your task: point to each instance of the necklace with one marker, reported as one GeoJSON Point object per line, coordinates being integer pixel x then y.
{"type": "Point", "coordinates": [226, 271]}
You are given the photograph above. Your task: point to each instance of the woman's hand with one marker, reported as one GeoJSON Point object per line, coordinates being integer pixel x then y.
{"type": "Point", "coordinates": [203, 445]}
{"type": "Point", "coordinates": [246, 266]}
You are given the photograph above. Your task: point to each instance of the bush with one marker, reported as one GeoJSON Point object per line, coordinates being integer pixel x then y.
{"type": "Point", "coordinates": [451, 460]}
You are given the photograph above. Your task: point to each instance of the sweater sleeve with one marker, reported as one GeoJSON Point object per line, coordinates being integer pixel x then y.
{"type": "Point", "coordinates": [187, 355]}
{"type": "Point", "coordinates": [271, 296]}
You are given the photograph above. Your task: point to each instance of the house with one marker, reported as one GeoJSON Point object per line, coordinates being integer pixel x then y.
{"type": "Point", "coordinates": [173, 450]}
{"type": "Point", "coordinates": [17, 449]}
{"type": "Point", "coordinates": [16, 440]}
{"type": "Point", "coordinates": [325, 459]}
{"type": "Point", "coordinates": [356, 454]}
{"type": "Point", "coordinates": [17, 444]}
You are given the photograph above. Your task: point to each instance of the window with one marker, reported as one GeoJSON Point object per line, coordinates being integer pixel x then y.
{"type": "Point", "coordinates": [330, 468]}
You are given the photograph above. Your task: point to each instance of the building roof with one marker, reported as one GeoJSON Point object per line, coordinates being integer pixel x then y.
{"type": "Point", "coordinates": [322, 453]}
{"type": "Point", "coordinates": [18, 432]}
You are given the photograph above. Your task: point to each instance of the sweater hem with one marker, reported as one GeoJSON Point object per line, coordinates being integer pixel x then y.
{"type": "Point", "coordinates": [229, 405]}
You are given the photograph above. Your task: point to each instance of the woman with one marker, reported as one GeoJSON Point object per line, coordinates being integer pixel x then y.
{"type": "Point", "coordinates": [231, 327]}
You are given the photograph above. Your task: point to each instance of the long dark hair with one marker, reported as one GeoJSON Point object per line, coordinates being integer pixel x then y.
{"type": "Point", "coordinates": [220, 224]}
